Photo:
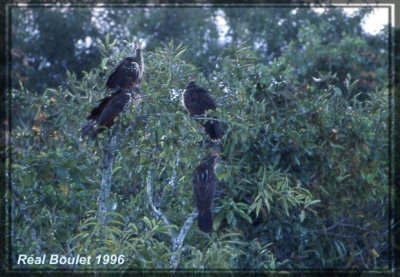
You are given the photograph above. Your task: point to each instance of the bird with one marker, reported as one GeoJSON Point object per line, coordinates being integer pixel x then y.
{"type": "Point", "coordinates": [103, 116]}
{"type": "Point", "coordinates": [197, 101]}
{"type": "Point", "coordinates": [204, 181]}
{"type": "Point", "coordinates": [128, 72]}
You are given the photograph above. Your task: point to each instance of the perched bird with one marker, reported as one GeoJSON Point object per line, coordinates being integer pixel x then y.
{"type": "Point", "coordinates": [197, 101]}
{"type": "Point", "coordinates": [204, 180]}
{"type": "Point", "coordinates": [128, 72]}
{"type": "Point", "coordinates": [103, 116]}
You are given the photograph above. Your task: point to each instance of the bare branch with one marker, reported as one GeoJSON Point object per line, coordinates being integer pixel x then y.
{"type": "Point", "coordinates": [105, 185]}
{"type": "Point", "coordinates": [159, 214]}
{"type": "Point", "coordinates": [176, 241]}
{"type": "Point", "coordinates": [174, 178]}
{"type": "Point", "coordinates": [174, 261]}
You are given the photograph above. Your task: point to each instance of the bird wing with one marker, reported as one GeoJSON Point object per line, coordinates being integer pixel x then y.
{"type": "Point", "coordinates": [204, 184]}
{"type": "Point", "coordinates": [213, 129]}
{"type": "Point", "coordinates": [191, 103]}
{"type": "Point", "coordinates": [113, 108]}
{"type": "Point", "coordinates": [95, 113]}
{"type": "Point", "coordinates": [206, 100]}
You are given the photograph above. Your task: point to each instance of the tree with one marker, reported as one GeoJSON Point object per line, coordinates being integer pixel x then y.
{"type": "Point", "coordinates": [48, 42]}
{"type": "Point", "coordinates": [294, 163]}
{"type": "Point", "coordinates": [40, 60]}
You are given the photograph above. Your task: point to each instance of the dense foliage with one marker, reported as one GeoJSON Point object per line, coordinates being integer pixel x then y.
{"type": "Point", "coordinates": [303, 173]}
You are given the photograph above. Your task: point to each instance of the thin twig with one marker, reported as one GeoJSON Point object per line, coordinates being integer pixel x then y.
{"type": "Point", "coordinates": [149, 190]}
{"type": "Point", "coordinates": [210, 118]}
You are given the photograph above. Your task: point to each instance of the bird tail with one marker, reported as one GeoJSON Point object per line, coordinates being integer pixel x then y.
{"type": "Point", "coordinates": [88, 128]}
{"type": "Point", "coordinates": [213, 129]}
{"type": "Point", "coordinates": [204, 221]}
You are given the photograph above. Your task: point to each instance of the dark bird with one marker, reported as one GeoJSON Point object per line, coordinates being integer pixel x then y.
{"type": "Point", "coordinates": [128, 72]}
{"type": "Point", "coordinates": [104, 115]}
{"type": "Point", "coordinates": [197, 101]}
{"type": "Point", "coordinates": [204, 180]}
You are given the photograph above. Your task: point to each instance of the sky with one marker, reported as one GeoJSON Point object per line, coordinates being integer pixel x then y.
{"type": "Point", "coordinates": [376, 20]}
{"type": "Point", "coordinates": [373, 23]}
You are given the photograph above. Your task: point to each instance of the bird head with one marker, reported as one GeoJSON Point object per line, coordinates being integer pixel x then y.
{"type": "Point", "coordinates": [138, 49]}
{"type": "Point", "coordinates": [192, 82]}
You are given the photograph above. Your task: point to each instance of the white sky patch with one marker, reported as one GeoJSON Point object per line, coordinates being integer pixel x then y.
{"type": "Point", "coordinates": [373, 23]}
{"type": "Point", "coordinates": [96, 14]}
{"type": "Point", "coordinates": [222, 26]}
{"type": "Point", "coordinates": [350, 11]}
{"type": "Point", "coordinates": [88, 41]}
{"type": "Point", "coordinates": [175, 94]}
{"type": "Point", "coordinates": [319, 10]}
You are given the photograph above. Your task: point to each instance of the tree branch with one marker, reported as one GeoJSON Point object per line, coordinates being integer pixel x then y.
{"type": "Point", "coordinates": [172, 182]}
{"type": "Point", "coordinates": [176, 241]}
{"type": "Point", "coordinates": [174, 261]}
{"type": "Point", "coordinates": [105, 185]}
